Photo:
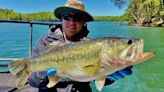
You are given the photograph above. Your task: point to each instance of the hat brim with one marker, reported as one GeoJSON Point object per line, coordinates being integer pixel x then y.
{"type": "Point", "coordinates": [58, 12]}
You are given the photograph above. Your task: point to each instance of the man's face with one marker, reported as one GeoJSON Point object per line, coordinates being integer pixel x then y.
{"type": "Point", "coordinates": [72, 23]}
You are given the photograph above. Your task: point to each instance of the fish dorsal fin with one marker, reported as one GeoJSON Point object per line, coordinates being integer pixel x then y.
{"type": "Point", "coordinates": [100, 83]}
{"type": "Point", "coordinates": [52, 46]}
{"type": "Point", "coordinates": [53, 80]}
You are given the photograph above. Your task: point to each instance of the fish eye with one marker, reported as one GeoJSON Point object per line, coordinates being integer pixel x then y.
{"type": "Point", "coordinates": [130, 41]}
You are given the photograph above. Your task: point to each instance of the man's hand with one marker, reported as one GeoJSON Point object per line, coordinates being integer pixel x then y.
{"type": "Point", "coordinates": [39, 79]}
{"type": "Point", "coordinates": [120, 74]}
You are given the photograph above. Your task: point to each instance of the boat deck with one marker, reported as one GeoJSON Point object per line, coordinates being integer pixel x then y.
{"type": "Point", "coordinates": [8, 84]}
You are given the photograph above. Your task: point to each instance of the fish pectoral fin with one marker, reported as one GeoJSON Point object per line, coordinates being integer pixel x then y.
{"type": "Point", "coordinates": [90, 69]}
{"type": "Point", "coordinates": [53, 80]}
{"type": "Point", "coordinates": [100, 83]}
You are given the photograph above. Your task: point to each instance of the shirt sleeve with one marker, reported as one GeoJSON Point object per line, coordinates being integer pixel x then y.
{"type": "Point", "coordinates": [43, 42]}
{"type": "Point", "coordinates": [46, 40]}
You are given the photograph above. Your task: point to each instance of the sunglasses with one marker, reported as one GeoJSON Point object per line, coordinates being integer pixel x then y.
{"type": "Point", "coordinates": [74, 16]}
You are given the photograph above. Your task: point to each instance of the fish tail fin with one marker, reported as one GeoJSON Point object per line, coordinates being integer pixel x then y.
{"type": "Point", "coordinates": [20, 70]}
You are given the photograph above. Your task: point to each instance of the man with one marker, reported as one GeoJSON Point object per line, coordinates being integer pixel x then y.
{"type": "Point", "coordinates": [73, 28]}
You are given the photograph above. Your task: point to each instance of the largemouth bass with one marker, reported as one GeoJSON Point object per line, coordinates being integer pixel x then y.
{"type": "Point", "coordinates": [83, 61]}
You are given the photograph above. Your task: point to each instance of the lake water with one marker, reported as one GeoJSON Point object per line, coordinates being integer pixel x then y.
{"type": "Point", "coordinates": [146, 77]}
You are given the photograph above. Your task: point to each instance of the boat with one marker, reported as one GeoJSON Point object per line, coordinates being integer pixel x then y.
{"type": "Point", "coordinates": [7, 80]}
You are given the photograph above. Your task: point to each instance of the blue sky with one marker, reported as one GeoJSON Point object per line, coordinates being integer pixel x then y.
{"type": "Point", "coordinates": [94, 7]}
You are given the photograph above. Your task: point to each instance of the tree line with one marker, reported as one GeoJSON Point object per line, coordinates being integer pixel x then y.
{"type": "Point", "coordinates": [9, 14]}
{"type": "Point", "coordinates": [139, 12]}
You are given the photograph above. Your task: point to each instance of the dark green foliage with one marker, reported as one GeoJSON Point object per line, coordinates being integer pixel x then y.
{"type": "Point", "coordinates": [143, 12]}
{"type": "Point", "coordinates": [107, 18]}
{"type": "Point", "coordinates": [6, 14]}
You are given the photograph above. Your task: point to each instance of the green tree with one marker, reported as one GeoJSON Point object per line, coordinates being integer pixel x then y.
{"type": "Point", "coordinates": [143, 12]}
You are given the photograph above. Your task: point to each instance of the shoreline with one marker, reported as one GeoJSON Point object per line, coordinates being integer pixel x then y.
{"type": "Point", "coordinates": [120, 22]}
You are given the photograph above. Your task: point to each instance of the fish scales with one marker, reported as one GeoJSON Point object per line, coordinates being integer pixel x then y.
{"type": "Point", "coordinates": [70, 56]}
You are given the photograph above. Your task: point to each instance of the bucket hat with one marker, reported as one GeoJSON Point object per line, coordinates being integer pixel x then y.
{"type": "Point", "coordinates": [73, 6]}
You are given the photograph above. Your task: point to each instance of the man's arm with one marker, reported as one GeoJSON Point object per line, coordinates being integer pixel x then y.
{"type": "Point", "coordinates": [40, 46]}
{"type": "Point", "coordinates": [46, 40]}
